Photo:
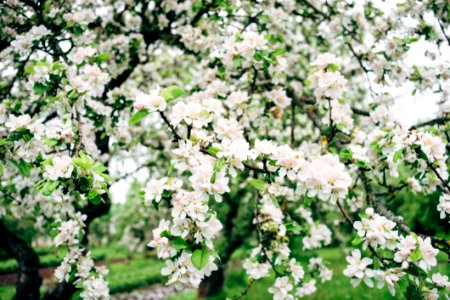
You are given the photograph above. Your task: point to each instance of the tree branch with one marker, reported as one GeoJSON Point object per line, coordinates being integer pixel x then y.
{"type": "Point", "coordinates": [437, 121]}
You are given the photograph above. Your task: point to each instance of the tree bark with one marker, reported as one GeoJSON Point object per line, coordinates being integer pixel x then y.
{"type": "Point", "coordinates": [28, 279]}
{"type": "Point", "coordinates": [63, 290]}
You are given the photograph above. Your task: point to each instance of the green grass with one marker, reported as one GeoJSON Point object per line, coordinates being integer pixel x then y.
{"type": "Point", "coordinates": [52, 257]}
{"type": "Point", "coordinates": [133, 274]}
{"type": "Point", "coordinates": [122, 277]}
{"type": "Point", "coordinates": [7, 292]}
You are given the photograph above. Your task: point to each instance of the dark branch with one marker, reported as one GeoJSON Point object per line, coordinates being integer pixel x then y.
{"type": "Point", "coordinates": [437, 121]}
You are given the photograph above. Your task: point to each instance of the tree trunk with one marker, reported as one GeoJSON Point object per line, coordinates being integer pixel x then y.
{"type": "Point", "coordinates": [213, 284]}
{"type": "Point", "coordinates": [63, 290]}
{"type": "Point", "coordinates": [28, 279]}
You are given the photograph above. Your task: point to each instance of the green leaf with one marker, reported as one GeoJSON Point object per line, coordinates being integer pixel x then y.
{"type": "Point", "coordinates": [51, 142]}
{"type": "Point", "coordinates": [345, 154]}
{"type": "Point", "coordinates": [39, 88]}
{"type": "Point", "coordinates": [397, 155]}
{"type": "Point", "coordinates": [102, 57]}
{"type": "Point", "coordinates": [333, 67]}
{"type": "Point", "coordinates": [200, 258]}
{"type": "Point", "coordinates": [92, 194]}
{"type": "Point", "coordinates": [96, 200]}
{"type": "Point", "coordinates": [172, 166]}
{"type": "Point", "coordinates": [357, 241]}
{"type": "Point", "coordinates": [213, 177]}
{"type": "Point", "coordinates": [236, 62]}
{"type": "Point", "coordinates": [137, 117]}
{"type": "Point", "coordinates": [423, 155]}
{"type": "Point", "coordinates": [362, 164]}
{"type": "Point", "coordinates": [258, 55]}
{"type": "Point", "coordinates": [23, 166]}
{"type": "Point", "coordinates": [219, 164]}
{"type": "Point", "coordinates": [277, 52]}
{"type": "Point", "coordinates": [49, 187]}
{"type": "Point", "coordinates": [77, 30]}
{"type": "Point", "coordinates": [403, 284]}
{"type": "Point", "coordinates": [172, 93]}
{"type": "Point", "coordinates": [99, 167]}
{"type": "Point", "coordinates": [293, 227]}
{"type": "Point", "coordinates": [257, 184]}
{"type": "Point", "coordinates": [197, 5]}
{"type": "Point", "coordinates": [165, 233]}
{"type": "Point", "coordinates": [54, 228]}
{"type": "Point", "coordinates": [213, 151]}
{"type": "Point", "coordinates": [2, 168]}
{"type": "Point", "coordinates": [72, 95]}
{"type": "Point", "coordinates": [179, 243]}
{"type": "Point", "coordinates": [308, 201]}
{"type": "Point", "coordinates": [84, 161]}
{"type": "Point", "coordinates": [416, 255]}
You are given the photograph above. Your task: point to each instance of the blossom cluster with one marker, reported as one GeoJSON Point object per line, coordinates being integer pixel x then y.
{"type": "Point", "coordinates": [408, 252]}
{"type": "Point", "coordinates": [78, 263]}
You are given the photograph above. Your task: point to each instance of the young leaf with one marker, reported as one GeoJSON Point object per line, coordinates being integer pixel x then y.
{"type": "Point", "coordinates": [200, 258]}
{"type": "Point", "coordinates": [96, 200]}
{"type": "Point", "coordinates": [39, 88]}
{"type": "Point", "coordinates": [416, 255]}
{"type": "Point", "coordinates": [172, 93]}
{"type": "Point", "coordinates": [397, 155]}
{"type": "Point", "coordinates": [423, 155]}
{"type": "Point", "coordinates": [357, 241]}
{"type": "Point", "coordinates": [213, 151]}
{"type": "Point", "coordinates": [257, 184]}
{"type": "Point", "coordinates": [219, 164]}
{"type": "Point", "coordinates": [345, 154]}
{"type": "Point", "coordinates": [23, 166]}
{"type": "Point", "coordinates": [179, 243]}
{"type": "Point", "coordinates": [277, 52]}
{"type": "Point", "coordinates": [137, 117]}
{"type": "Point", "coordinates": [165, 233]}
{"type": "Point", "coordinates": [102, 57]}
{"type": "Point", "coordinates": [213, 177]}
{"type": "Point", "coordinates": [308, 201]}
{"type": "Point", "coordinates": [293, 227]}
{"type": "Point", "coordinates": [333, 67]}
{"type": "Point", "coordinates": [49, 187]}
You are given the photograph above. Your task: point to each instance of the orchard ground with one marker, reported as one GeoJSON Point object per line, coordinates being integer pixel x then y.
{"type": "Point", "coordinates": [141, 274]}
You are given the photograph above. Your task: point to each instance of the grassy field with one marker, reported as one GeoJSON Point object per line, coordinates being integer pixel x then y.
{"type": "Point", "coordinates": [140, 272]}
